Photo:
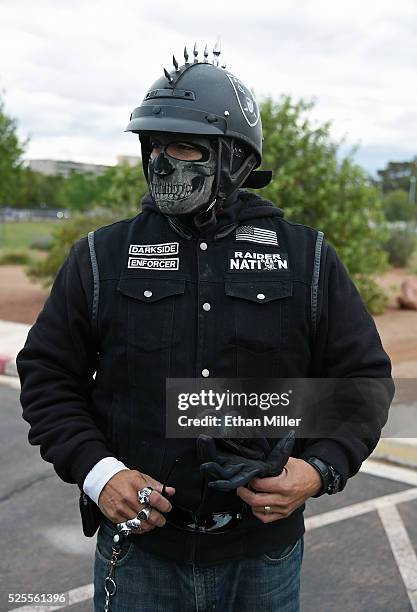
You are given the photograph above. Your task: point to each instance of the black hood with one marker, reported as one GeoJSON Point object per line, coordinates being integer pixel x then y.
{"type": "Point", "coordinates": [242, 206]}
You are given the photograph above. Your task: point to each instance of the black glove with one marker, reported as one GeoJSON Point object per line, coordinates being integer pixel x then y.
{"type": "Point", "coordinates": [234, 470]}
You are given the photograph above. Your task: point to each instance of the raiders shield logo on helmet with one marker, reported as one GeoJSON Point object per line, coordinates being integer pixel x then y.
{"type": "Point", "coordinates": [246, 100]}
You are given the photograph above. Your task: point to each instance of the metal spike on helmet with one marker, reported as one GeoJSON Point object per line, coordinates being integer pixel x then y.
{"type": "Point", "coordinates": [168, 76]}
{"type": "Point", "coordinates": [216, 52]}
{"type": "Point", "coordinates": [179, 69]}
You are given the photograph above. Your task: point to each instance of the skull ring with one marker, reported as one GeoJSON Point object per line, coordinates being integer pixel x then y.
{"type": "Point", "coordinates": [144, 494]}
{"type": "Point", "coordinates": [123, 528]}
{"type": "Point", "coordinates": [134, 523]}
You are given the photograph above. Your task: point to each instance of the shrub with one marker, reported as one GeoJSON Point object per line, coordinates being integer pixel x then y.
{"type": "Point", "coordinates": [63, 237]}
{"type": "Point", "coordinates": [14, 256]}
{"type": "Point", "coordinates": [400, 246]}
{"type": "Point", "coordinates": [42, 243]}
{"type": "Point", "coordinates": [375, 299]}
{"type": "Point", "coordinates": [397, 206]}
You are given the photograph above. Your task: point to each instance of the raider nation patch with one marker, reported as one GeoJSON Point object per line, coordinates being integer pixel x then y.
{"type": "Point", "coordinates": [250, 261]}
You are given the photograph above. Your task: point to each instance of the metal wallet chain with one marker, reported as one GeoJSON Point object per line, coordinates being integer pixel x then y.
{"type": "Point", "coordinates": [109, 583]}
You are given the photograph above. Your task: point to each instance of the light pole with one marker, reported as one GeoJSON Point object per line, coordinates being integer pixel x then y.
{"type": "Point", "coordinates": [412, 190]}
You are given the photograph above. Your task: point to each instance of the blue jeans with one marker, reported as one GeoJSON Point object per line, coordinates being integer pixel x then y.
{"type": "Point", "coordinates": [149, 583]}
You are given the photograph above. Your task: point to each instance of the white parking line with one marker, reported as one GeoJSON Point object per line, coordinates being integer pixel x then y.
{"type": "Point", "coordinates": [391, 472]}
{"type": "Point", "coordinates": [402, 550]}
{"type": "Point", "coordinates": [347, 512]}
{"type": "Point", "coordinates": [83, 593]}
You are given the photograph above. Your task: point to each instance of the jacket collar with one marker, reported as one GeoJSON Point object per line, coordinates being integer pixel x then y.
{"type": "Point", "coordinates": [242, 206]}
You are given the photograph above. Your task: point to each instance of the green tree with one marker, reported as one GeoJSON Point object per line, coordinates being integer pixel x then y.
{"type": "Point", "coordinates": [126, 189]}
{"type": "Point", "coordinates": [397, 206]}
{"type": "Point", "coordinates": [11, 151]}
{"type": "Point", "coordinates": [120, 188]}
{"type": "Point", "coordinates": [79, 191]}
{"type": "Point", "coordinates": [396, 175]}
{"type": "Point", "coordinates": [315, 187]}
{"type": "Point", "coordinates": [37, 190]}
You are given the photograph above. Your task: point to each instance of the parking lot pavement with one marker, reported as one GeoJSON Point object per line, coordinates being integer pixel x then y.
{"type": "Point", "coordinates": [359, 544]}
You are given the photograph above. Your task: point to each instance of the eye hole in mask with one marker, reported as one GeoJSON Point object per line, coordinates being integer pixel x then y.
{"type": "Point", "coordinates": [183, 151]}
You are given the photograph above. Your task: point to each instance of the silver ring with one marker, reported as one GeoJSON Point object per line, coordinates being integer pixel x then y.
{"type": "Point", "coordinates": [134, 523]}
{"type": "Point", "coordinates": [123, 528]}
{"type": "Point", "coordinates": [144, 494]}
{"type": "Point", "coordinates": [144, 514]}
{"type": "Point", "coordinates": [267, 509]}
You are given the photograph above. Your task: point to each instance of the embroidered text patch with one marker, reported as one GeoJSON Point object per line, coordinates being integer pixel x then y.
{"type": "Point", "coordinates": [164, 248]}
{"type": "Point", "coordinates": [257, 262]}
{"type": "Point", "coordinates": [146, 263]}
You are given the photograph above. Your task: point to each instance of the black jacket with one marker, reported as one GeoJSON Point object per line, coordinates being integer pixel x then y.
{"type": "Point", "coordinates": [151, 325]}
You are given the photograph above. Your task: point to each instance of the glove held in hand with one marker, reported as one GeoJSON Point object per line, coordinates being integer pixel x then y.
{"type": "Point", "coordinates": [231, 470]}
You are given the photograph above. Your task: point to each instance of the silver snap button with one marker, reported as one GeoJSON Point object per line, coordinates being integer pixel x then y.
{"type": "Point", "coordinates": [206, 306]}
{"type": "Point", "coordinates": [147, 293]}
{"type": "Point", "coordinates": [203, 246]}
{"type": "Point", "coordinates": [205, 373]}
{"type": "Point", "coordinates": [260, 296]}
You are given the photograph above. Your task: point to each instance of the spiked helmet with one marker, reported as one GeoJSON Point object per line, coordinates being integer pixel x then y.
{"type": "Point", "coordinates": [203, 98]}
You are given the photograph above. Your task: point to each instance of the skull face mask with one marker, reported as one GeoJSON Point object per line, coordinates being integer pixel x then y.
{"type": "Point", "coordinates": [181, 172]}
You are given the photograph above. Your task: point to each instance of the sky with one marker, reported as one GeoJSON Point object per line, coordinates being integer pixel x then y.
{"type": "Point", "coordinates": [72, 71]}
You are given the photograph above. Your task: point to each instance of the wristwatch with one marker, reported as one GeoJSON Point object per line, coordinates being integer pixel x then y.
{"type": "Point", "coordinates": [331, 479]}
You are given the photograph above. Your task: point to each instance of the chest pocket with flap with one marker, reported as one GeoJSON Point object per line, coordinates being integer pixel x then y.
{"type": "Point", "coordinates": [261, 313]}
{"type": "Point", "coordinates": [150, 311]}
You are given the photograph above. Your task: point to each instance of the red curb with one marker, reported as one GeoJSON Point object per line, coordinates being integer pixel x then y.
{"type": "Point", "coordinates": [3, 362]}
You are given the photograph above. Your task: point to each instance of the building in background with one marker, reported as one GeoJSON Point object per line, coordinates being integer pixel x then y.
{"type": "Point", "coordinates": [55, 167]}
{"type": "Point", "coordinates": [132, 160]}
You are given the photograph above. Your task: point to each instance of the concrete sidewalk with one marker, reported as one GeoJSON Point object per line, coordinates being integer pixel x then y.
{"type": "Point", "coordinates": [401, 451]}
{"type": "Point", "coordinates": [12, 338]}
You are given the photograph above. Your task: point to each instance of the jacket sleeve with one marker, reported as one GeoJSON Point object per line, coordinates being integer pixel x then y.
{"type": "Point", "coordinates": [56, 368]}
{"type": "Point", "coordinates": [348, 346]}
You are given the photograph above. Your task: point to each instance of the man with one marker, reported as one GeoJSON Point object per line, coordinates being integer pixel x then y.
{"type": "Point", "coordinates": [208, 281]}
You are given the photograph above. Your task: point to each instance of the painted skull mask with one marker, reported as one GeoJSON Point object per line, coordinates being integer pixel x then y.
{"type": "Point", "coordinates": [181, 172]}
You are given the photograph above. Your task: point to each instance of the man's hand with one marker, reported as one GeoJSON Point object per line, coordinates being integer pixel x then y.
{"type": "Point", "coordinates": [284, 493]}
{"type": "Point", "coordinates": [119, 502]}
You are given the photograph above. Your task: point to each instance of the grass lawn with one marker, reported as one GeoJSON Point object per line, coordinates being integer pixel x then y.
{"type": "Point", "coordinates": [21, 234]}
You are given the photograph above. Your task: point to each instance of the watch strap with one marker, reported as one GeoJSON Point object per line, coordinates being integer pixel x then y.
{"type": "Point", "coordinates": [324, 471]}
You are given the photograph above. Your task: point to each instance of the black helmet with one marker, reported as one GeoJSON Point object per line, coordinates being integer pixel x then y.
{"type": "Point", "coordinates": [205, 99]}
